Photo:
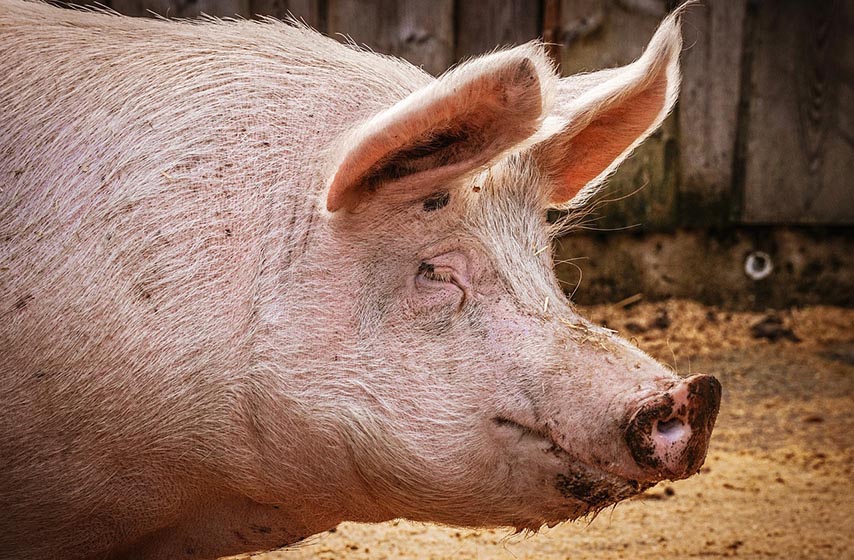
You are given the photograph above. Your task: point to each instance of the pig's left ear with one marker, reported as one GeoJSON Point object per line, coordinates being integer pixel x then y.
{"type": "Point", "coordinates": [451, 127]}
{"type": "Point", "coordinates": [607, 114]}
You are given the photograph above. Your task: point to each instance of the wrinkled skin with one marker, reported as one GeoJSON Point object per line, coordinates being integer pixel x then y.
{"type": "Point", "coordinates": [531, 389]}
{"type": "Point", "coordinates": [255, 283]}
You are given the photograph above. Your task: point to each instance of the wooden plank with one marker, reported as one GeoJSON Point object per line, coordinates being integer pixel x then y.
{"type": "Point", "coordinates": [483, 26]}
{"type": "Point", "coordinates": [182, 8]}
{"type": "Point", "coordinates": [222, 8]}
{"type": "Point", "coordinates": [799, 156]}
{"type": "Point", "coordinates": [597, 35]}
{"type": "Point", "coordinates": [420, 31]}
{"type": "Point", "coordinates": [61, 4]}
{"type": "Point", "coordinates": [551, 30]}
{"type": "Point", "coordinates": [308, 11]}
{"type": "Point", "coordinates": [708, 110]}
{"type": "Point", "coordinates": [138, 8]}
{"type": "Point", "coordinates": [600, 34]}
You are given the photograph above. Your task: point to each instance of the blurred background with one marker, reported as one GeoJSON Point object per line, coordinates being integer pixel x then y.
{"type": "Point", "coordinates": [723, 245]}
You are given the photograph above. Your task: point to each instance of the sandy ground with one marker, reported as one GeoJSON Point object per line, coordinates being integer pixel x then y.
{"type": "Point", "coordinates": [778, 481]}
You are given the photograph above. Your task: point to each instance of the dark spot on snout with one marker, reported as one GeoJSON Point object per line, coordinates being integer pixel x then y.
{"type": "Point", "coordinates": [580, 487]}
{"type": "Point", "coordinates": [261, 529]}
{"type": "Point", "coordinates": [436, 201]}
{"type": "Point", "coordinates": [704, 398]}
{"type": "Point", "coordinates": [22, 302]}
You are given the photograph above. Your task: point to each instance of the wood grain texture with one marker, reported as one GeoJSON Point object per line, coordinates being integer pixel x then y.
{"type": "Point", "coordinates": [144, 8]}
{"type": "Point", "coordinates": [483, 26]}
{"type": "Point", "coordinates": [551, 28]}
{"type": "Point", "coordinates": [182, 8]}
{"type": "Point", "coordinates": [799, 157]}
{"type": "Point", "coordinates": [708, 109]}
{"type": "Point", "coordinates": [309, 11]}
{"type": "Point", "coordinates": [420, 31]}
{"type": "Point", "coordinates": [600, 34]}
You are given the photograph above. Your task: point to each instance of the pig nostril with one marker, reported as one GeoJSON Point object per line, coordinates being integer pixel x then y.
{"type": "Point", "coordinates": [671, 429]}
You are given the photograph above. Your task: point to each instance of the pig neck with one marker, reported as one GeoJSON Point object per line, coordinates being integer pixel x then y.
{"type": "Point", "coordinates": [298, 283]}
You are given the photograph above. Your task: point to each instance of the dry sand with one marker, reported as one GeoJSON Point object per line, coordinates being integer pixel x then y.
{"type": "Point", "coordinates": [778, 480]}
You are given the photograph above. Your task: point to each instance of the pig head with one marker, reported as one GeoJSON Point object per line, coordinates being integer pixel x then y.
{"type": "Point", "coordinates": [483, 397]}
{"type": "Point", "coordinates": [360, 319]}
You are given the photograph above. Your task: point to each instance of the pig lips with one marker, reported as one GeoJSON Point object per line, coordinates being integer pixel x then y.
{"type": "Point", "coordinates": [666, 436]}
{"type": "Point", "coordinates": [590, 488]}
{"type": "Point", "coordinates": [595, 488]}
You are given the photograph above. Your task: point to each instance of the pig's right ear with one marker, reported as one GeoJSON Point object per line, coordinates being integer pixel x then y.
{"type": "Point", "coordinates": [457, 124]}
{"type": "Point", "coordinates": [607, 114]}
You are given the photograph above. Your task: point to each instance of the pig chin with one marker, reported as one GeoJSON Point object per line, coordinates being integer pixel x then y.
{"type": "Point", "coordinates": [559, 485]}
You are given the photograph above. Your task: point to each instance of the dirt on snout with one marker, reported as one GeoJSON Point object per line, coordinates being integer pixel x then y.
{"type": "Point", "coordinates": [778, 481]}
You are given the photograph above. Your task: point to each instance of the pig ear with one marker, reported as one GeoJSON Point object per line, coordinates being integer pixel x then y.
{"type": "Point", "coordinates": [607, 114]}
{"type": "Point", "coordinates": [455, 125]}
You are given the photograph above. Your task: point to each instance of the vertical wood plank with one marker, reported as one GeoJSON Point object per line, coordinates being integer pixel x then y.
{"type": "Point", "coordinates": [800, 135]}
{"type": "Point", "coordinates": [708, 109]}
{"type": "Point", "coordinates": [420, 31]}
{"type": "Point", "coordinates": [106, 3]}
{"type": "Point", "coordinates": [308, 11]}
{"type": "Point", "coordinates": [482, 26]}
{"type": "Point", "coordinates": [600, 34]}
{"type": "Point", "coordinates": [223, 8]}
{"type": "Point", "coordinates": [137, 8]}
{"type": "Point", "coordinates": [182, 8]}
{"type": "Point", "coordinates": [552, 30]}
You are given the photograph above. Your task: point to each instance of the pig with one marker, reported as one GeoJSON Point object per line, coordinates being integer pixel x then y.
{"type": "Point", "coordinates": [255, 283]}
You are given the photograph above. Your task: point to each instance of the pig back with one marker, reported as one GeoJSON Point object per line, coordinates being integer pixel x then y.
{"type": "Point", "coordinates": [155, 171]}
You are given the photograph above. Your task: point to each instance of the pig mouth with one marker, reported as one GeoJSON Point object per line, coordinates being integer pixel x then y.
{"type": "Point", "coordinates": [592, 487]}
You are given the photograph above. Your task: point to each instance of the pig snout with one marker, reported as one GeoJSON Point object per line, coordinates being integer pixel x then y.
{"type": "Point", "coordinates": [668, 434]}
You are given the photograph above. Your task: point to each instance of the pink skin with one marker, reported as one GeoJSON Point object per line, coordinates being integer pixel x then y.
{"type": "Point", "coordinates": [255, 283]}
{"type": "Point", "coordinates": [541, 399]}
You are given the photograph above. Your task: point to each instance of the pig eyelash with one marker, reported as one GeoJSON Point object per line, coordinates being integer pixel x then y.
{"type": "Point", "coordinates": [429, 272]}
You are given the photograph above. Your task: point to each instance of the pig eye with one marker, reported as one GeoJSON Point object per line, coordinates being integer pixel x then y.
{"type": "Point", "coordinates": [436, 201]}
{"type": "Point", "coordinates": [441, 279]}
{"type": "Point", "coordinates": [428, 271]}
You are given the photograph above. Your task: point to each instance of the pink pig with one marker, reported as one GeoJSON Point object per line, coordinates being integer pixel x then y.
{"type": "Point", "coordinates": [255, 283]}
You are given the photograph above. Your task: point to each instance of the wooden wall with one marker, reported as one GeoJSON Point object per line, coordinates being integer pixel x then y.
{"type": "Point", "coordinates": [764, 129]}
